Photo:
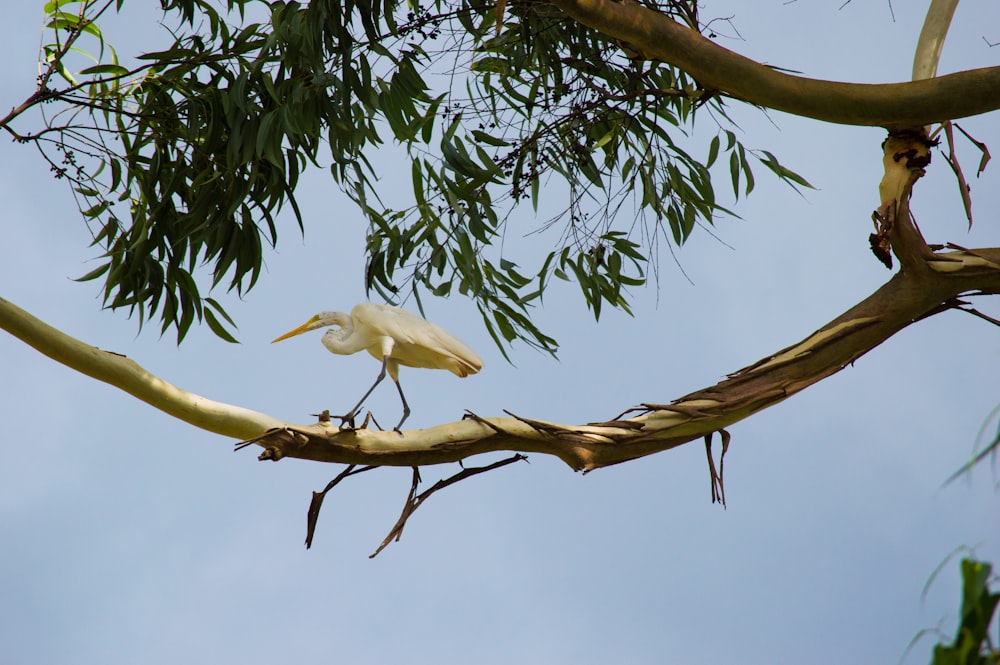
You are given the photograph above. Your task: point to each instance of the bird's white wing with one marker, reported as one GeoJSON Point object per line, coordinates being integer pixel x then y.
{"type": "Point", "coordinates": [418, 342]}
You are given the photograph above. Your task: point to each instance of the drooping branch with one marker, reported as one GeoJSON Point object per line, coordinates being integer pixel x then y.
{"type": "Point", "coordinates": [890, 105]}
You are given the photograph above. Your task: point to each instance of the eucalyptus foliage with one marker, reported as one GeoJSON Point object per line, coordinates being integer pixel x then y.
{"type": "Point", "coordinates": [182, 160]}
{"type": "Point", "coordinates": [972, 644]}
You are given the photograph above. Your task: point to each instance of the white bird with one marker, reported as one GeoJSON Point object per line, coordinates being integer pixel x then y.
{"type": "Point", "coordinates": [396, 337]}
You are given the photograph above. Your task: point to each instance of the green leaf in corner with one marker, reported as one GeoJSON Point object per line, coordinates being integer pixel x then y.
{"type": "Point", "coordinates": [217, 327]}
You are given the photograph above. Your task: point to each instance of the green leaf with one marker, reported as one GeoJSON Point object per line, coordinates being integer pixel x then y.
{"type": "Point", "coordinates": [201, 154]}
{"type": "Point", "coordinates": [94, 274]}
{"type": "Point", "coordinates": [217, 327]}
{"type": "Point", "coordinates": [490, 64]}
{"type": "Point", "coordinates": [218, 308]}
{"type": "Point", "coordinates": [771, 162]}
{"type": "Point", "coordinates": [604, 140]}
{"type": "Point", "coordinates": [483, 137]}
{"type": "Point", "coordinates": [111, 70]}
{"type": "Point", "coordinates": [713, 151]}
{"type": "Point", "coordinates": [52, 7]}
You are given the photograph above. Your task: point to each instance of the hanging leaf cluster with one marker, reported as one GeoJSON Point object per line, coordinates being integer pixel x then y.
{"type": "Point", "coordinates": [183, 159]}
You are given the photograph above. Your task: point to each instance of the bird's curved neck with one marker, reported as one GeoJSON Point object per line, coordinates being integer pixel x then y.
{"type": "Point", "coordinates": [342, 340]}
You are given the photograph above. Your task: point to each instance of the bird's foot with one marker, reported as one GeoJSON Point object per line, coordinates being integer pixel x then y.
{"type": "Point", "coordinates": [347, 422]}
{"type": "Point", "coordinates": [406, 414]}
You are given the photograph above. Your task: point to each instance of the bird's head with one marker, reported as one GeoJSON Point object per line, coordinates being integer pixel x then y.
{"type": "Point", "coordinates": [316, 321]}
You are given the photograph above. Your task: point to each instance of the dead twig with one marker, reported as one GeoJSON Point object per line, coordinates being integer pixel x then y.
{"type": "Point", "coordinates": [718, 486]}
{"type": "Point", "coordinates": [976, 312]}
{"type": "Point", "coordinates": [469, 415]}
{"type": "Point", "coordinates": [962, 306]}
{"type": "Point", "coordinates": [985, 159]}
{"type": "Point", "coordinates": [538, 425]}
{"type": "Point", "coordinates": [317, 498]}
{"type": "Point", "coordinates": [240, 445]}
{"type": "Point", "coordinates": [638, 410]}
{"type": "Point", "coordinates": [952, 159]}
{"type": "Point", "coordinates": [414, 500]}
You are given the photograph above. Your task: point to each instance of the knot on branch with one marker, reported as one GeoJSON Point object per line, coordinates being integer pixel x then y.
{"type": "Point", "coordinates": [910, 148]}
{"type": "Point", "coordinates": [276, 443]}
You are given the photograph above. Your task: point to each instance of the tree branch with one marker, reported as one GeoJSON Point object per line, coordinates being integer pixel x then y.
{"type": "Point", "coordinates": [890, 105]}
{"type": "Point", "coordinates": [932, 35]}
{"type": "Point", "coordinates": [909, 296]}
{"type": "Point", "coordinates": [121, 372]}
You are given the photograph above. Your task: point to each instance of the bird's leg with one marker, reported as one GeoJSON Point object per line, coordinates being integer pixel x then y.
{"type": "Point", "coordinates": [406, 408]}
{"type": "Point", "coordinates": [349, 418]}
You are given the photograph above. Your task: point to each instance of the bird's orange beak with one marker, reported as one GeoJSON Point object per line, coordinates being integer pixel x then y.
{"type": "Point", "coordinates": [305, 327]}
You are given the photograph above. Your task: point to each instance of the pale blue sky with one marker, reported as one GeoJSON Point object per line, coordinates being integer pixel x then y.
{"type": "Point", "coordinates": [129, 537]}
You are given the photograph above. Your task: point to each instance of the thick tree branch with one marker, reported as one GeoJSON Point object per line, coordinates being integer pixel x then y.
{"type": "Point", "coordinates": [891, 105]}
{"type": "Point", "coordinates": [126, 374]}
{"type": "Point", "coordinates": [909, 296]}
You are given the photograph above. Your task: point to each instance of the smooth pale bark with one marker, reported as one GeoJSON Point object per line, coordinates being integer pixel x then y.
{"type": "Point", "coordinates": [932, 36]}
{"type": "Point", "coordinates": [126, 374]}
{"type": "Point", "coordinates": [890, 105]}
{"type": "Point", "coordinates": [927, 284]}
{"type": "Point", "coordinates": [914, 293]}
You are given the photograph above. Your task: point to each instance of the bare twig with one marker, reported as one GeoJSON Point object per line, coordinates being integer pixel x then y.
{"type": "Point", "coordinates": [413, 500]}
{"type": "Point", "coordinates": [718, 486]}
{"type": "Point", "coordinates": [469, 415]}
{"type": "Point", "coordinates": [976, 312]}
{"type": "Point", "coordinates": [317, 498]}
{"type": "Point", "coordinates": [726, 438]}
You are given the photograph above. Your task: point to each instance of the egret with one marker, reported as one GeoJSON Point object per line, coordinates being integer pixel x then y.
{"type": "Point", "coordinates": [394, 336]}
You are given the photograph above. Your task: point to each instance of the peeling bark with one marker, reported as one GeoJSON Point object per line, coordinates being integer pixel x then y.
{"type": "Point", "coordinates": [924, 287]}
{"type": "Point", "coordinates": [929, 282]}
{"type": "Point", "coordinates": [911, 295]}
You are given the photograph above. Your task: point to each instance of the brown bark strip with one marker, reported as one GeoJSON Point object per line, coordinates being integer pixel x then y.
{"type": "Point", "coordinates": [922, 288]}
{"type": "Point", "coordinates": [909, 296]}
